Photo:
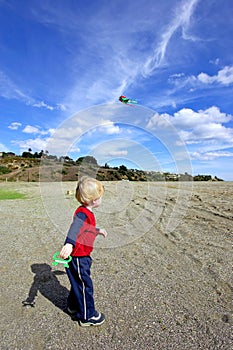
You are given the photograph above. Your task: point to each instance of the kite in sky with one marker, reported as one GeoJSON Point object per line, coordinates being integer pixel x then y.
{"type": "Point", "coordinates": [127, 100]}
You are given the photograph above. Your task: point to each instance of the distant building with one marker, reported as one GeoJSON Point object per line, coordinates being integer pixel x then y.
{"type": "Point", "coordinates": [173, 177]}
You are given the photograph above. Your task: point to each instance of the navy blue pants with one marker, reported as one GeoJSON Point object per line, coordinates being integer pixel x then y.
{"type": "Point", "coordinates": [81, 296]}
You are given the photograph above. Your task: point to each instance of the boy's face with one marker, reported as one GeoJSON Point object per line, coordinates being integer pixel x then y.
{"type": "Point", "coordinates": [97, 202]}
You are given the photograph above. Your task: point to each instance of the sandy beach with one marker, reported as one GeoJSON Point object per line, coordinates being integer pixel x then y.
{"type": "Point", "coordinates": [162, 277]}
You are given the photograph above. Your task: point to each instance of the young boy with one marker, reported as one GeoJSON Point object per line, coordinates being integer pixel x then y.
{"type": "Point", "coordinates": [79, 244]}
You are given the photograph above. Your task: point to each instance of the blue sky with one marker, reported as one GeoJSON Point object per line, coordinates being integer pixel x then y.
{"type": "Point", "coordinates": [60, 59]}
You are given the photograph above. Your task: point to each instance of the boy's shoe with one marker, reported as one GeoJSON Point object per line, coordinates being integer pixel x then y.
{"type": "Point", "coordinates": [96, 320]}
{"type": "Point", "coordinates": [71, 312]}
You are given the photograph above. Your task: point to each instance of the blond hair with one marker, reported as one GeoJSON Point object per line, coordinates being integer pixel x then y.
{"type": "Point", "coordinates": [88, 189]}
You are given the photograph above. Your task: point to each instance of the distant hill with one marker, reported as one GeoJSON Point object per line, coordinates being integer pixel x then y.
{"type": "Point", "coordinates": [19, 168]}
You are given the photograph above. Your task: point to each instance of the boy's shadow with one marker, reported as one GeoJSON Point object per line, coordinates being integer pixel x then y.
{"type": "Point", "coordinates": [46, 282]}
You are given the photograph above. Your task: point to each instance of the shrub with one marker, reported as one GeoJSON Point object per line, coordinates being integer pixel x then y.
{"type": "Point", "coordinates": [4, 170]}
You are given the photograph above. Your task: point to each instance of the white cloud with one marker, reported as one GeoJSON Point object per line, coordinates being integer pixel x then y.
{"type": "Point", "coordinates": [108, 127]}
{"type": "Point", "coordinates": [63, 140]}
{"type": "Point", "coordinates": [66, 133]}
{"type": "Point", "coordinates": [29, 129]}
{"type": "Point", "coordinates": [203, 128]}
{"type": "Point", "coordinates": [42, 104]}
{"type": "Point", "coordinates": [186, 117]}
{"type": "Point", "coordinates": [61, 107]}
{"type": "Point", "coordinates": [205, 78]}
{"type": "Point", "coordinates": [210, 155]}
{"type": "Point", "coordinates": [74, 149]}
{"type": "Point", "coordinates": [36, 144]}
{"type": "Point", "coordinates": [211, 132]}
{"type": "Point", "coordinates": [215, 62]}
{"type": "Point", "coordinates": [112, 151]}
{"type": "Point", "coordinates": [121, 153]}
{"type": "Point", "coordinates": [14, 126]}
{"type": "Point", "coordinates": [224, 77]}
{"type": "Point", "coordinates": [39, 142]}
{"type": "Point", "coordinates": [3, 148]}
{"type": "Point", "coordinates": [115, 148]}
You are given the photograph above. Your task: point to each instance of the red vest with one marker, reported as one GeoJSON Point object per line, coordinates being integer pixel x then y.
{"type": "Point", "coordinates": [86, 236]}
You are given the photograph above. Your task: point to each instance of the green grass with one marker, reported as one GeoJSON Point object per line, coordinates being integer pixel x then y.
{"type": "Point", "coordinates": [5, 194]}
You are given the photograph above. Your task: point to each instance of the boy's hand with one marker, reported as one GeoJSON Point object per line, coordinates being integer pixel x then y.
{"type": "Point", "coordinates": [66, 250]}
{"type": "Point", "coordinates": [103, 232]}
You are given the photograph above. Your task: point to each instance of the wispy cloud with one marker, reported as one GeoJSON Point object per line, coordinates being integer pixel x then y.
{"type": "Point", "coordinates": [208, 156]}
{"type": "Point", "coordinates": [9, 90]}
{"type": "Point", "coordinates": [181, 20]}
{"type": "Point", "coordinates": [14, 125]}
{"type": "Point", "coordinates": [117, 54]}
{"type": "Point", "coordinates": [42, 104]}
{"type": "Point", "coordinates": [29, 129]}
{"type": "Point", "coordinates": [223, 77]}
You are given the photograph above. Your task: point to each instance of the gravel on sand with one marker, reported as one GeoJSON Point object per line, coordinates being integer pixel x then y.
{"type": "Point", "coordinates": [162, 277]}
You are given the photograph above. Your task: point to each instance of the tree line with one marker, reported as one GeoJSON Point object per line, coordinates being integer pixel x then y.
{"type": "Point", "coordinates": [122, 170]}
